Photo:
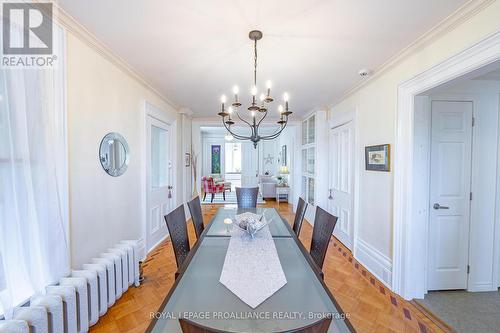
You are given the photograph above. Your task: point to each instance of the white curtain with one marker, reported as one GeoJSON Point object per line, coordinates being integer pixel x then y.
{"type": "Point", "coordinates": [34, 249]}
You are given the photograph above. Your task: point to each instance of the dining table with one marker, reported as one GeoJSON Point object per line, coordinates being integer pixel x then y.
{"type": "Point", "coordinates": [199, 296]}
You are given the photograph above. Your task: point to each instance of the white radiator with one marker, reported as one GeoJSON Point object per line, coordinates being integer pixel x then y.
{"type": "Point", "coordinates": [117, 260]}
{"type": "Point", "coordinates": [53, 304]}
{"type": "Point", "coordinates": [134, 245]}
{"type": "Point", "coordinates": [102, 285]}
{"type": "Point", "coordinates": [14, 326]}
{"type": "Point", "coordinates": [92, 293]}
{"type": "Point", "coordinates": [68, 296]}
{"type": "Point", "coordinates": [124, 263]}
{"type": "Point", "coordinates": [35, 316]}
{"type": "Point", "coordinates": [110, 278]}
{"type": "Point", "coordinates": [82, 307]}
{"type": "Point", "coordinates": [80, 299]}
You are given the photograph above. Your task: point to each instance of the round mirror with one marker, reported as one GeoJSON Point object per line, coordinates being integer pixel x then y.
{"type": "Point", "coordinates": [114, 154]}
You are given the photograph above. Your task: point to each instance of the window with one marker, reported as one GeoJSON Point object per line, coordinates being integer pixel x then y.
{"type": "Point", "coordinates": [159, 157]}
{"type": "Point", "coordinates": [308, 158]}
{"type": "Point", "coordinates": [33, 180]}
{"type": "Point", "coordinates": [233, 157]}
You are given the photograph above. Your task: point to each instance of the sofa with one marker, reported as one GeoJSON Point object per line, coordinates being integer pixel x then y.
{"type": "Point", "coordinates": [267, 186]}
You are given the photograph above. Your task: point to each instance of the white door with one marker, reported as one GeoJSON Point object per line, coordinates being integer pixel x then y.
{"type": "Point", "coordinates": [159, 181]}
{"type": "Point", "coordinates": [249, 165]}
{"type": "Point", "coordinates": [451, 155]}
{"type": "Point", "coordinates": [341, 196]}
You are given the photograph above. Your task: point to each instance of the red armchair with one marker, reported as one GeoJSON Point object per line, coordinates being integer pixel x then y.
{"type": "Point", "coordinates": [210, 187]}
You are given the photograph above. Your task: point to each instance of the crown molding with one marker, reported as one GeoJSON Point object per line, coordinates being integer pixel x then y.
{"type": "Point", "coordinates": [78, 30]}
{"type": "Point", "coordinates": [461, 15]}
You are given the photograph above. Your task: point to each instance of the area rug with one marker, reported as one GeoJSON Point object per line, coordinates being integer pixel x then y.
{"type": "Point", "coordinates": [465, 312]}
{"type": "Point", "coordinates": [230, 199]}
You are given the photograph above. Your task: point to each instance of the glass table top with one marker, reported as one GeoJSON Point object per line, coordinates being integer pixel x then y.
{"type": "Point", "coordinates": [277, 226]}
{"type": "Point", "coordinates": [200, 297]}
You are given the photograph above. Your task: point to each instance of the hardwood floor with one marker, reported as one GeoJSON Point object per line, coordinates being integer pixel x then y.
{"type": "Point", "coordinates": [370, 305]}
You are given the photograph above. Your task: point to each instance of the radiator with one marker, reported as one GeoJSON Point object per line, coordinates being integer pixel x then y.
{"type": "Point", "coordinates": [68, 296]}
{"type": "Point", "coordinates": [82, 310]}
{"type": "Point", "coordinates": [134, 245]}
{"type": "Point", "coordinates": [53, 305]}
{"type": "Point", "coordinates": [117, 260]}
{"type": "Point", "coordinates": [81, 298]}
{"type": "Point", "coordinates": [102, 285]}
{"type": "Point", "coordinates": [110, 278]}
{"type": "Point", "coordinates": [14, 326]}
{"type": "Point", "coordinates": [35, 316]}
{"type": "Point", "coordinates": [92, 293]}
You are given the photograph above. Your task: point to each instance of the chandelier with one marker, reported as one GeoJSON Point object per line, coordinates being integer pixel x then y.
{"type": "Point", "coordinates": [257, 110]}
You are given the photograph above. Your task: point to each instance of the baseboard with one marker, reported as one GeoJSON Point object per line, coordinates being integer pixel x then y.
{"type": "Point", "coordinates": [479, 287]}
{"type": "Point", "coordinates": [374, 261]}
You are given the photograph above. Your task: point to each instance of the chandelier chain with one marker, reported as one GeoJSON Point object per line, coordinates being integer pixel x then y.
{"type": "Point", "coordinates": [255, 63]}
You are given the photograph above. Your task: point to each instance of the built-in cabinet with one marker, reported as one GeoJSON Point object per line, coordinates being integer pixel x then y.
{"type": "Point", "coordinates": [314, 177]}
{"type": "Point", "coordinates": [308, 158]}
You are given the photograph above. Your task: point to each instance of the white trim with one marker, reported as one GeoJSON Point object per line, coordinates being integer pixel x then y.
{"type": "Point", "coordinates": [374, 261]}
{"type": "Point", "coordinates": [409, 266]}
{"type": "Point", "coordinates": [458, 17]}
{"type": "Point", "coordinates": [496, 238]}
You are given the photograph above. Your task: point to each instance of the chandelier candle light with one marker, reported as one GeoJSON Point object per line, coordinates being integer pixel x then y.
{"type": "Point", "coordinates": [255, 107]}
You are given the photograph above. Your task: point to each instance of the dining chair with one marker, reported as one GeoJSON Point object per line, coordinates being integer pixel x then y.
{"type": "Point", "coordinates": [299, 216]}
{"type": "Point", "coordinates": [321, 326]}
{"type": "Point", "coordinates": [196, 215]}
{"type": "Point", "coordinates": [247, 197]}
{"type": "Point", "coordinates": [324, 223]}
{"type": "Point", "coordinates": [177, 228]}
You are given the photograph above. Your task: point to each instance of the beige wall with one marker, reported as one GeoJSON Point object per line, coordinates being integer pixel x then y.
{"type": "Point", "coordinates": [102, 98]}
{"type": "Point", "coordinates": [376, 119]}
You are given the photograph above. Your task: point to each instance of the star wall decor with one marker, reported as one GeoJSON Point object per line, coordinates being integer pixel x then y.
{"type": "Point", "coordinates": [269, 159]}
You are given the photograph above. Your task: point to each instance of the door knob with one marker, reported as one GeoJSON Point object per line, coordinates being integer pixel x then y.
{"type": "Point", "coordinates": [170, 187]}
{"type": "Point", "coordinates": [330, 197]}
{"type": "Point", "coordinates": [438, 206]}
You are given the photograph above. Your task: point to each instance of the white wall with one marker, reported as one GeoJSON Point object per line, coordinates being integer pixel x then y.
{"type": "Point", "coordinates": [102, 98]}
{"type": "Point", "coordinates": [376, 105]}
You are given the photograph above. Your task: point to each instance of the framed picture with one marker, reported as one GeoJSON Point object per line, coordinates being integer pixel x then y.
{"type": "Point", "coordinates": [283, 155]}
{"type": "Point", "coordinates": [215, 159]}
{"type": "Point", "coordinates": [187, 159]}
{"type": "Point", "coordinates": [378, 158]}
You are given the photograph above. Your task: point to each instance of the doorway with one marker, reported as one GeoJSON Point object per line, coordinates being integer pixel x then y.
{"type": "Point", "coordinates": [159, 180]}
{"type": "Point", "coordinates": [232, 163]}
{"type": "Point", "coordinates": [341, 189]}
{"type": "Point", "coordinates": [249, 165]}
{"type": "Point", "coordinates": [411, 169]}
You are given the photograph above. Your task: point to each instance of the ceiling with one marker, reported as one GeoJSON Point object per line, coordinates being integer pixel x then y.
{"type": "Point", "coordinates": [195, 50]}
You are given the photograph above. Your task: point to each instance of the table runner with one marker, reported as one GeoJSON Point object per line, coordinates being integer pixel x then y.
{"type": "Point", "coordinates": [252, 269]}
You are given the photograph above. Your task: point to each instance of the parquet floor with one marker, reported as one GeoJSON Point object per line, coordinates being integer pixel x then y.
{"type": "Point", "coordinates": [371, 306]}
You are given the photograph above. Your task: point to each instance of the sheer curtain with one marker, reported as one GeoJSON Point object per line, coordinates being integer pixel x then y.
{"type": "Point", "coordinates": [34, 249]}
